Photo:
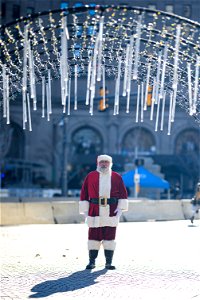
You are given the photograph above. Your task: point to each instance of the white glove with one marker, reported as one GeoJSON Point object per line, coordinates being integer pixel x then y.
{"type": "Point", "coordinates": [85, 216]}
{"type": "Point", "coordinates": [118, 212]}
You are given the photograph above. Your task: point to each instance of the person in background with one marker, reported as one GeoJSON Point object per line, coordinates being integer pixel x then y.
{"type": "Point", "coordinates": [103, 199]}
{"type": "Point", "coordinates": [177, 191]}
{"type": "Point", "coordinates": [195, 203]}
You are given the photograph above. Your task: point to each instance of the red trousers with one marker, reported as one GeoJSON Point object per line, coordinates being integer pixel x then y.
{"type": "Point", "coordinates": [102, 233]}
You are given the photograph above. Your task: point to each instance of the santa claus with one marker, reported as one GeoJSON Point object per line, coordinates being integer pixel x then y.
{"type": "Point", "coordinates": [102, 201]}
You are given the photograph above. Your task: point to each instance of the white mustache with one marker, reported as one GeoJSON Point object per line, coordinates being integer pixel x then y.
{"type": "Point", "coordinates": [103, 169]}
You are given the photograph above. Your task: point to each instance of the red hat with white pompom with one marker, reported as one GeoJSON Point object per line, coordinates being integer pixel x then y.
{"type": "Point", "coordinates": [104, 157]}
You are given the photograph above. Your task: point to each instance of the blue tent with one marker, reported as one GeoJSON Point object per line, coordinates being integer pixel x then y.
{"type": "Point", "coordinates": [147, 179]}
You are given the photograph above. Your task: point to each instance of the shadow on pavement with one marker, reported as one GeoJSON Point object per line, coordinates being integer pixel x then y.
{"type": "Point", "coordinates": [73, 282]}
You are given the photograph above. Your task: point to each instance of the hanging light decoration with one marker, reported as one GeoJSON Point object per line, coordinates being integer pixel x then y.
{"type": "Point", "coordinates": [137, 47]}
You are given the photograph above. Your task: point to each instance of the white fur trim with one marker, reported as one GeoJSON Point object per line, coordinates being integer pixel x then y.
{"type": "Point", "coordinates": [104, 184]}
{"type": "Point", "coordinates": [104, 211]}
{"type": "Point", "coordinates": [83, 206]}
{"type": "Point", "coordinates": [102, 221]}
{"type": "Point", "coordinates": [123, 204]}
{"type": "Point", "coordinates": [94, 245]}
{"type": "Point", "coordinates": [109, 245]}
{"type": "Point", "coordinates": [104, 157]}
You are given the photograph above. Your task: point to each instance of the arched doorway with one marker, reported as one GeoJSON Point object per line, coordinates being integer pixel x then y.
{"type": "Point", "coordinates": [86, 144]}
{"type": "Point", "coordinates": [12, 143]}
{"type": "Point", "coordinates": [188, 142]}
{"type": "Point", "coordinates": [187, 147]}
{"type": "Point", "coordinates": [86, 140]}
{"type": "Point", "coordinates": [138, 140]}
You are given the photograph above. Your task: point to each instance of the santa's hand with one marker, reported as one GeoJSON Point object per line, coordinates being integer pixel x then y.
{"type": "Point", "coordinates": [118, 212]}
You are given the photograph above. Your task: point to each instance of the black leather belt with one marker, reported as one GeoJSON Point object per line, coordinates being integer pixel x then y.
{"type": "Point", "coordinates": [103, 201]}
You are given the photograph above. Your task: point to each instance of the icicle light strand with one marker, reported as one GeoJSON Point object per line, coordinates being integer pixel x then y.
{"type": "Point", "coordinates": [155, 50]}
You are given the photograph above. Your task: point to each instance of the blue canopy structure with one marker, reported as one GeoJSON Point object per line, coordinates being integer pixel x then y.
{"type": "Point", "coordinates": [146, 179]}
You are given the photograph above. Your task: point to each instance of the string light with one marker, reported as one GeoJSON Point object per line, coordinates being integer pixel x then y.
{"type": "Point", "coordinates": [141, 47]}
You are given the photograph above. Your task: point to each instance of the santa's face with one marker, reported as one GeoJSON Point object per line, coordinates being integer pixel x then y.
{"type": "Point", "coordinates": [104, 166]}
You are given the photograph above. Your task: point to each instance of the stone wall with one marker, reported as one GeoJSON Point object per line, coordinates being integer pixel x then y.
{"type": "Point", "coordinates": [67, 212]}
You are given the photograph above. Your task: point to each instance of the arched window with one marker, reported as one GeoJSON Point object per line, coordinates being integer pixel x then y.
{"type": "Point", "coordinates": [138, 140]}
{"type": "Point", "coordinates": [188, 142]}
{"type": "Point", "coordinates": [87, 140]}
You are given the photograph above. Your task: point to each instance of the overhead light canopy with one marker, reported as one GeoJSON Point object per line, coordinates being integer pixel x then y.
{"type": "Point", "coordinates": [141, 49]}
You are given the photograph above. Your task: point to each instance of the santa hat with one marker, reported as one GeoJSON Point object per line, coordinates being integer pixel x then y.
{"type": "Point", "coordinates": [104, 157]}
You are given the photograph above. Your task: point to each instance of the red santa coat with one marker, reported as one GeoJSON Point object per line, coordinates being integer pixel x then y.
{"type": "Point", "coordinates": [100, 216]}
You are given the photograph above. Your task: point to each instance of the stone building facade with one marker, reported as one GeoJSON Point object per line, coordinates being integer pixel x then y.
{"type": "Point", "coordinates": [35, 159]}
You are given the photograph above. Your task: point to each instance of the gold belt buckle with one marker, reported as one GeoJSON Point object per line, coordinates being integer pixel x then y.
{"type": "Point", "coordinates": [105, 201]}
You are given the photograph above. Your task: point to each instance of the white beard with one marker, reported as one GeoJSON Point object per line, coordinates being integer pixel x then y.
{"type": "Point", "coordinates": [104, 170]}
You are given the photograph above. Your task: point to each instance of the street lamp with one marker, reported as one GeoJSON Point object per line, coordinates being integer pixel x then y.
{"type": "Point", "coordinates": [60, 156]}
{"type": "Point", "coordinates": [64, 160]}
{"type": "Point", "coordinates": [136, 182]}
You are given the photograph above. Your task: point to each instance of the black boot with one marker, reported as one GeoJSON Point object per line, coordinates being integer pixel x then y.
{"type": "Point", "coordinates": [92, 256]}
{"type": "Point", "coordinates": [109, 256]}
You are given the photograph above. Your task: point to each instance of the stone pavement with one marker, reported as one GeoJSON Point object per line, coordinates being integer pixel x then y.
{"type": "Point", "coordinates": [154, 260]}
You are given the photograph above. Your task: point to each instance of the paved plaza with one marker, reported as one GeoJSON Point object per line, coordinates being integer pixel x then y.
{"type": "Point", "coordinates": [154, 260]}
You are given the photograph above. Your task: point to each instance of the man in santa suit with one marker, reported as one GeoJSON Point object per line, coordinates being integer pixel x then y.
{"type": "Point", "coordinates": [102, 200]}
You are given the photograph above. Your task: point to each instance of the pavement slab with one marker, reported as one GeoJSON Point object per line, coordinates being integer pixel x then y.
{"type": "Point", "coordinates": [154, 260]}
